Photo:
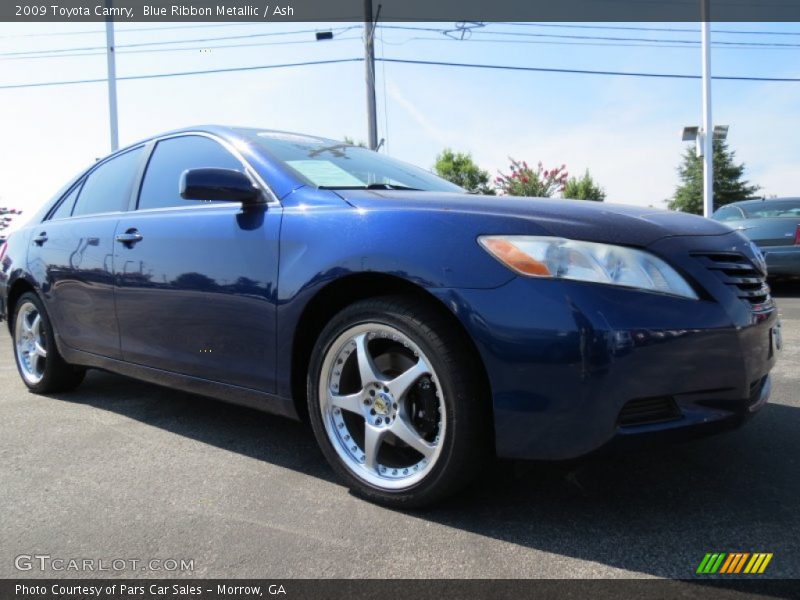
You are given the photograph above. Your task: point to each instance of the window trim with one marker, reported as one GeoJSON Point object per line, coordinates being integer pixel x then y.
{"type": "Point", "coordinates": [77, 186]}
{"type": "Point", "coordinates": [272, 199]}
{"type": "Point", "coordinates": [87, 174]}
{"type": "Point", "coordinates": [148, 146]}
{"type": "Point", "coordinates": [742, 214]}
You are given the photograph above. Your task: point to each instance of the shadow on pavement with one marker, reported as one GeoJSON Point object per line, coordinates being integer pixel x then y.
{"type": "Point", "coordinates": [247, 431]}
{"type": "Point", "coordinates": [655, 511]}
{"type": "Point", "coordinates": [785, 288]}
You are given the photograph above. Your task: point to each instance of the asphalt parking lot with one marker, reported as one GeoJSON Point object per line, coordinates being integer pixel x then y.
{"type": "Point", "coordinates": [121, 469]}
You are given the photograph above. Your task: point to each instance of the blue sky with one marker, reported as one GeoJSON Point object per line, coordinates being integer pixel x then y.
{"type": "Point", "coordinates": [625, 130]}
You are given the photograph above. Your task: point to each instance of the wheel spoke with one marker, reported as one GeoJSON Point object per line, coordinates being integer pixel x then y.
{"type": "Point", "coordinates": [39, 349]}
{"type": "Point", "coordinates": [406, 433]}
{"type": "Point", "coordinates": [373, 437]}
{"type": "Point", "coordinates": [26, 326]}
{"type": "Point", "coordinates": [36, 325]}
{"type": "Point", "coordinates": [366, 367]}
{"type": "Point", "coordinates": [400, 384]}
{"type": "Point", "coordinates": [349, 402]}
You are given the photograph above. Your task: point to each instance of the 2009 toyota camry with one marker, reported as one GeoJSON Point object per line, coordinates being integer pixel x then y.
{"type": "Point", "coordinates": [420, 329]}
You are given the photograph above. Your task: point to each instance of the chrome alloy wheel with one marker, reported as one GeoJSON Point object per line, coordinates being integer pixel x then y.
{"type": "Point", "coordinates": [30, 343]}
{"type": "Point", "coordinates": [382, 406]}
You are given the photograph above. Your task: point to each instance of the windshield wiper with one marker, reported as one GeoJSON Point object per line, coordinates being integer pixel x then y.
{"type": "Point", "coordinates": [371, 186]}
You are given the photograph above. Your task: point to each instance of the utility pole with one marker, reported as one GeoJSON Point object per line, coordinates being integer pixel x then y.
{"type": "Point", "coordinates": [369, 62]}
{"type": "Point", "coordinates": [112, 82]}
{"type": "Point", "coordinates": [708, 127]}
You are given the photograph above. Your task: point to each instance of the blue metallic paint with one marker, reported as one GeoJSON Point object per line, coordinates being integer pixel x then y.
{"type": "Point", "coordinates": [562, 357]}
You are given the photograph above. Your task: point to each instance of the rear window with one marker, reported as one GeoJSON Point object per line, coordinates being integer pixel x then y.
{"type": "Point", "coordinates": [773, 208]}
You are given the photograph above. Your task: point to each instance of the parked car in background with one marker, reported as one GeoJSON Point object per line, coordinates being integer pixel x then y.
{"type": "Point", "coordinates": [419, 328]}
{"type": "Point", "coordinates": [774, 226]}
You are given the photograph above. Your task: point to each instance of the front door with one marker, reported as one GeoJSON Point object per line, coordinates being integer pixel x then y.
{"type": "Point", "coordinates": [196, 280]}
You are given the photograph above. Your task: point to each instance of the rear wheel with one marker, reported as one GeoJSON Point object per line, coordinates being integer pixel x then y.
{"type": "Point", "coordinates": [396, 402]}
{"type": "Point", "coordinates": [39, 363]}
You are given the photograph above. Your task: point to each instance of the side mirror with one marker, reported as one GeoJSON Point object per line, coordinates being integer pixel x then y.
{"type": "Point", "coordinates": [219, 184]}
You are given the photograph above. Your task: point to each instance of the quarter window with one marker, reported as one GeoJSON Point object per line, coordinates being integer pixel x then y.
{"type": "Point", "coordinates": [65, 208]}
{"type": "Point", "coordinates": [108, 187]}
{"type": "Point", "coordinates": [728, 213]}
{"type": "Point", "coordinates": [173, 156]}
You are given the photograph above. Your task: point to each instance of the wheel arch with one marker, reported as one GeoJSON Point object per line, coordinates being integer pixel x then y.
{"type": "Point", "coordinates": [344, 291]}
{"type": "Point", "coordinates": [15, 291]}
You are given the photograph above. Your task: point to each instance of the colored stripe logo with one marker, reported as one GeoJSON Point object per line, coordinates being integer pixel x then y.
{"type": "Point", "coordinates": [734, 563]}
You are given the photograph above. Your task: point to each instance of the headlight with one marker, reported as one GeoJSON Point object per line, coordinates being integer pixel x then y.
{"type": "Point", "coordinates": [560, 258]}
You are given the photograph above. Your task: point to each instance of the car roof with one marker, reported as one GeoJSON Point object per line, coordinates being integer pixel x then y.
{"type": "Point", "coordinates": [757, 201]}
{"type": "Point", "coordinates": [227, 131]}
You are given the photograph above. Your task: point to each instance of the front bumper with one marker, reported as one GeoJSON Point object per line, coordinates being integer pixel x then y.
{"type": "Point", "coordinates": [566, 360]}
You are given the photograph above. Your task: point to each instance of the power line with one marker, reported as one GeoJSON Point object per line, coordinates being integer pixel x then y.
{"type": "Point", "coordinates": [186, 49]}
{"type": "Point", "coordinates": [179, 73]}
{"type": "Point", "coordinates": [599, 44]}
{"type": "Point", "coordinates": [410, 62]}
{"type": "Point", "coordinates": [595, 37]}
{"type": "Point", "coordinates": [171, 42]}
{"type": "Point", "coordinates": [588, 40]}
{"type": "Point", "coordinates": [356, 18]}
{"type": "Point", "coordinates": [585, 71]}
{"type": "Point", "coordinates": [661, 29]}
{"type": "Point", "coordinates": [124, 30]}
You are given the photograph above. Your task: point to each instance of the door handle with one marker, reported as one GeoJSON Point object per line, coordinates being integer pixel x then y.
{"type": "Point", "coordinates": [40, 239]}
{"type": "Point", "coordinates": [130, 237]}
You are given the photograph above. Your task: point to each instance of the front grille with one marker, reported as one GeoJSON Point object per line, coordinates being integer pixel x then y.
{"type": "Point", "coordinates": [736, 271]}
{"type": "Point", "coordinates": [645, 411]}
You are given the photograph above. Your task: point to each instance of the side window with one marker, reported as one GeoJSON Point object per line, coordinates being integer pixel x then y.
{"type": "Point", "coordinates": [65, 208]}
{"type": "Point", "coordinates": [108, 187]}
{"type": "Point", "coordinates": [728, 213]}
{"type": "Point", "coordinates": [170, 159]}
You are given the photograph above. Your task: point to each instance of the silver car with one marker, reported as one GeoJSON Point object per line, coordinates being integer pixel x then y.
{"type": "Point", "coordinates": [773, 225]}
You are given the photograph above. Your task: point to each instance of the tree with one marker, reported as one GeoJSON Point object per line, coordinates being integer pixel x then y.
{"type": "Point", "coordinates": [524, 181]}
{"type": "Point", "coordinates": [729, 185]}
{"type": "Point", "coordinates": [459, 168]}
{"type": "Point", "coordinates": [348, 140]}
{"type": "Point", "coordinates": [584, 188]}
{"type": "Point", "coordinates": [5, 216]}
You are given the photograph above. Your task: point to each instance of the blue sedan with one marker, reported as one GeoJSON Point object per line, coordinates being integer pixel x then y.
{"type": "Point", "coordinates": [421, 330]}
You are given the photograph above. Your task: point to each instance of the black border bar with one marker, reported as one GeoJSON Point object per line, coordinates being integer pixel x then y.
{"type": "Point", "coordinates": [398, 589]}
{"type": "Point", "coordinates": [399, 10]}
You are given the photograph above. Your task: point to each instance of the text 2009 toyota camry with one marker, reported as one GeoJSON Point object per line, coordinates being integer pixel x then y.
{"type": "Point", "coordinates": [421, 329]}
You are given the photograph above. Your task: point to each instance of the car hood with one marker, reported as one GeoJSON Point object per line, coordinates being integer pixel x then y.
{"type": "Point", "coordinates": [576, 219]}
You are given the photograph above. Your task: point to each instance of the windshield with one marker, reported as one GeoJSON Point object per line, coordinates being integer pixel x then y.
{"type": "Point", "coordinates": [332, 165]}
{"type": "Point", "coordinates": [773, 208]}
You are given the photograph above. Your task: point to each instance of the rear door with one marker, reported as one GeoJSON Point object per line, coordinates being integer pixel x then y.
{"type": "Point", "coordinates": [71, 253]}
{"type": "Point", "coordinates": [196, 290]}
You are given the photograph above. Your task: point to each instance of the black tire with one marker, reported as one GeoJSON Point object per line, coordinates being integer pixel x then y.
{"type": "Point", "coordinates": [467, 445]}
{"type": "Point", "coordinates": [57, 374]}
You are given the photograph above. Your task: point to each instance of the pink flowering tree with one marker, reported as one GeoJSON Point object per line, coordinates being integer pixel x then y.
{"type": "Point", "coordinates": [6, 216]}
{"type": "Point", "coordinates": [525, 181]}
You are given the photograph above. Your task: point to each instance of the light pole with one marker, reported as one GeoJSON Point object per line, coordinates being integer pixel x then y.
{"type": "Point", "coordinates": [369, 61]}
{"type": "Point", "coordinates": [112, 82]}
{"type": "Point", "coordinates": [708, 138]}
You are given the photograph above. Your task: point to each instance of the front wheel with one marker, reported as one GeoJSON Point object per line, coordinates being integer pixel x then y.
{"type": "Point", "coordinates": [397, 403]}
{"type": "Point", "coordinates": [39, 363]}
